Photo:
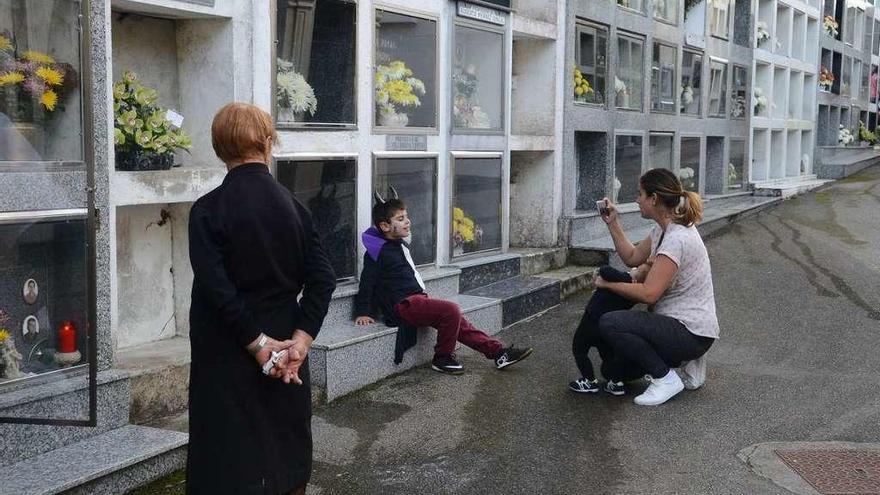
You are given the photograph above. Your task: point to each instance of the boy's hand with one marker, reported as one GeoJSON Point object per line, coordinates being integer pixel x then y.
{"type": "Point", "coordinates": [641, 273]}
{"type": "Point", "coordinates": [364, 320]}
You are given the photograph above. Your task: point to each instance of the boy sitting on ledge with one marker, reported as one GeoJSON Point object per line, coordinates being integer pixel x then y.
{"type": "Point", "coordinates": [391, 281]}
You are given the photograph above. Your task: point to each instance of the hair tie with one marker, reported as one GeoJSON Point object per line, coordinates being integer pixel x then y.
{"type": "Point", "coordinates": [681, 200]}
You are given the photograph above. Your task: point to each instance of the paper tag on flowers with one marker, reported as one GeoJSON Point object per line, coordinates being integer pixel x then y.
{"type": "Point", "coordinates": [174, 118]}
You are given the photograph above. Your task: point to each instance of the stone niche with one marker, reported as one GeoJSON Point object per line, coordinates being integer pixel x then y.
{"type": "Point", "coordinates": [188, 62]}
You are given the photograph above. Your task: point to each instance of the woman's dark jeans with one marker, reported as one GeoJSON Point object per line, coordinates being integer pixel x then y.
{"type": "Point", "coordinates": [650, 341]}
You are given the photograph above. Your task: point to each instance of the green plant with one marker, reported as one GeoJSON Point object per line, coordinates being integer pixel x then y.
{"type": "Point", "coordinates": [866, 135]}
{"type": "Point", "coordinates": [140, 125]}
{"type": "Point", "coordinates": [292, 91]}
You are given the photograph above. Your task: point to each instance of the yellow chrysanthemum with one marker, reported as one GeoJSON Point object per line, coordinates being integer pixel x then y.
{"type": "Point", "coordinates": [4, 335]}
{"type": "Point", "coordinates": [51, 76]}
{"type": "Point", "coordinates": [5, 44]}
{"type": "Point", "coordinates": [11, 78]}
{"type": "Point", "coordinates": [38, 57]}
{"type": "Point", "coordinates": [49, 99]}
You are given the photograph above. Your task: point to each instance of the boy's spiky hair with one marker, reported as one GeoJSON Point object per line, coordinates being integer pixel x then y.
{"type": "Point", "coordinates": [384, 210]}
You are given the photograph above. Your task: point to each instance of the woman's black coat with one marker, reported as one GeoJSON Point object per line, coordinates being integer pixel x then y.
{"type": "Point", "coordinates": [253, 249]}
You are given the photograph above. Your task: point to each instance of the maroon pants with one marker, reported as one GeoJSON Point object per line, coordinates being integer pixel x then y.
{"type": "Point", "coordinates": [419, 310]}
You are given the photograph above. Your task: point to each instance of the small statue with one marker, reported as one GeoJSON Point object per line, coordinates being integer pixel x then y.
{"type": "Point", "coordinates": [9, 357]}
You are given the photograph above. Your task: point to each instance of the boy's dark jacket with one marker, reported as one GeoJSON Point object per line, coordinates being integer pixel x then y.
{"type": "Point", "coordinates": [386, 280]}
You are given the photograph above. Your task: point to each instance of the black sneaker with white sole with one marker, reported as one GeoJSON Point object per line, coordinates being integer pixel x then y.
{"type": "Point", "coordinates": [447, 364]}
{"type": "Point", "coordinates": [584, 386]}
{"type": "Point", "coordinates": [511, 355]}
{"type": "Point", "coordinates": [615, 388]}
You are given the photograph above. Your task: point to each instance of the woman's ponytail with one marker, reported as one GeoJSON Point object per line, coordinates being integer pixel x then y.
{"type": "Point", "coordinates": [690, 209]}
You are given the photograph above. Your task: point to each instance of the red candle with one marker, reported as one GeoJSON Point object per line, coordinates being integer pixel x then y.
{"type": "Point", "coordinates": [67, 337]}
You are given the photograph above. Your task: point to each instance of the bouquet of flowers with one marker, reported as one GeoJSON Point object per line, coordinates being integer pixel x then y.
{"type": "Point", "coordinates": [465, 110]}
{"type": "Point", "coordinates": [738, 106]}
{"type": "Point", "coordinates": [686, 176]}
{"type": "Point", "coordinates": [396, 87]}
{"type": "Point", "coordinates": [763, 34]}
{"type": "Point", "coordinates": [687, 94]}
{"type": "Point", "coordinates": [844, 136]}
{"type": "Point", "coordinates": [826, 79]}
{"type": "Point", "coordinates": [145, 138]}
{"type": "Point", "coordinates": [582, 88]}
{"type": "Point", "coordinates": [760, 100]}
{"type": "Point", "coordinates": [293, 94]}
{"type": "Point", "coordinates": [831, 26]}
{"type": "Point", "coordinates": [732, 175]}
{"type": "Point", "coordinates": [466, 235]}
{"type": "Point", "coordinates": [34, 84]}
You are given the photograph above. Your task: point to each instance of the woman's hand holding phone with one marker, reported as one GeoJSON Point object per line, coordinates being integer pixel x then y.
{"type": "Point", "coordinates": [607, 210]}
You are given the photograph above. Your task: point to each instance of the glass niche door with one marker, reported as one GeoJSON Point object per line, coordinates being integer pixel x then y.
{"type": "Point", "coordinates": [477, 203]}
{"type": "Point", "coordinates": [47, 251]}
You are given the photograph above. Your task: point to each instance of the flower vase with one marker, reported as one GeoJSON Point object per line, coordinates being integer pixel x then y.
{"type": "Point", "coordinates": [286, 115]}
{"type": "Point", "coordinates": [140, 160]}
{"type": "Point", "coordinates": [458, 250]}
{"type": "Point", "coordinates": [393, 119]}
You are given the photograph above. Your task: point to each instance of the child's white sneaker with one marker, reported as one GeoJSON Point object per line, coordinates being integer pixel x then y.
{"type": "Point", "coordinates": [660, 390]}
{"type": "Point", "coordinates": [694, 373]}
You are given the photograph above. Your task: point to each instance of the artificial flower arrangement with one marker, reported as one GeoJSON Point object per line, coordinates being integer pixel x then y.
{"type": "Point", "coordinates": [826, 79]}
{"type": "Point", "coordinates": [466, 234]}
{"type": "Point", "coordinates": [866, 135]}
{"type": "Point", "coordinates": [39, 84]}
{"type": "Point", "coordinates": [582, 88]}
{"type": "Point", "coordinates": [293, 94]}
{"type": "Point", "coordinates": [687, 94]}
{"type": "Point", "coordinates": [763, 34]}
{"type": "Point", "coordinates": [466, 112]}
{"type": "Point", "coordinates": [732, 176]}
{"type": "Point", "coordinates": [686, 176]}
{"type": "Point", "coordinates": [9, 355]}
{"type": "Point", "coordinates": [396, 88]}
{"type": "Point", "coordinates": [844, 136]}
{"type": "Point", "coordinates": [738, 106]}
{"type": "Point", "coordinates": [622, 92]}
{"type": "Point", "coordinates": [145, 138]}
{"type": "Point", "coordinates": [760, 100]}
{"type": "Point", "coordinates": [831, 26]}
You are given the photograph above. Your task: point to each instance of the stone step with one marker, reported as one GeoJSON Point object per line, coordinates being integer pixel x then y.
{"type": "Point", "coordinates": [521, 297]}
{"type": "Point", "coordinates": [159, 373]}
{"type": "Point", "coordinates": [538, 260]}
{"type": "Point", "coordinates": [60, 399]}
{"type": "Point", "coordinates": [109, 463]}
{"type": "Point", "coordinates": [439, 282]}
{"type": "Point", "coordinates": [787, 189]}
{"type": "Point", "coordinates": [346, 357]}
{"type": "Point", "coordinates": [486, 270]}
{"type": "Point", "coordinates": [572, 279]}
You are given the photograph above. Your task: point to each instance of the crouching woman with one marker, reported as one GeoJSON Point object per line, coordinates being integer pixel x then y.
{"type": "Point", "coordinates": [680, 324]}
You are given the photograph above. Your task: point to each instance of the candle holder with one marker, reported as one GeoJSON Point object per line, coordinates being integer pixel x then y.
{"type": "Point", "coordinates": [67, 354]}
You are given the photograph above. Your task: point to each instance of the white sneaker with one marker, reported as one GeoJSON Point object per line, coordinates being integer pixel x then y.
{"type": "Point", "coordinates": [694, 373]}
{"type": "Point", "coordinates": [660, 390]}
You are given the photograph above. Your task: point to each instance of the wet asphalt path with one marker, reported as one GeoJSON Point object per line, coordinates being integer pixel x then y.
{"type": "Point", "coordinates": [798, 296]}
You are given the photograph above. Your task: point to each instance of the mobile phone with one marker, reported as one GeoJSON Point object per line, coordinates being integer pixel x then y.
{"type": "Point", "coordinates": [602, 207]}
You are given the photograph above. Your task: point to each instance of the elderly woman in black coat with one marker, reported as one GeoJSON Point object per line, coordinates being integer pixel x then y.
{"type": "Point", "coordinates": [253, 250]}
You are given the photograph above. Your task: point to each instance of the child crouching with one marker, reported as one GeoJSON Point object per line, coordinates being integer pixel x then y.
{"type": "Point", "coordinates": [391, 281]}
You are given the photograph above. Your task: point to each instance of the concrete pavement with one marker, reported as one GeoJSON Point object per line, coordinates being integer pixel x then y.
{"type": "Point", "coordinates": [798, 295]}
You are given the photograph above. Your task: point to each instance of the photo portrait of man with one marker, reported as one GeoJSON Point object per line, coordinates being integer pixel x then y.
{"type": "Point", "coordinates": [31, 291]}
{"type": "Point", "coordinates": [30, 328]}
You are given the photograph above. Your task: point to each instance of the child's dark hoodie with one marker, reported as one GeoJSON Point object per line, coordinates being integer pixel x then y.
{"type": "Point", "coordinates": [389, 276]}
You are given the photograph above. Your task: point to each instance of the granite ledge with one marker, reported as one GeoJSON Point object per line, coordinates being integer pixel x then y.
{"type": "Point", "coordinates": [28, 394]}
{"type": "Point", "coordinates": [87, 460]}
